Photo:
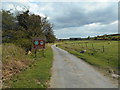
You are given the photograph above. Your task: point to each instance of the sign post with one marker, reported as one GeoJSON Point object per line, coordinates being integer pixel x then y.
{"type": "Point", "coordinates": [39, 44]}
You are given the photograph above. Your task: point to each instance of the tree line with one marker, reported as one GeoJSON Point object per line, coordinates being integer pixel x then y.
{"type": "Point", "coordinates": [19, 28]}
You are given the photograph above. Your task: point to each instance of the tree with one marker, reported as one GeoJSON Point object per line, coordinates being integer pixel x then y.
{"type": "Point", "coordinates": [110, 37]}
{"type": "Point", "coordinates": [104, 36]}
{"type": "Point", "coordinates": [36, 26]}
{"type": "Point", "coordinates": [8, 26]}
{"type": "Point", "coordinates": [20, 29]}
{"type": "Point", "coordinates": [8, 20]}
{"type": "Point", "coordinates": [88, 37]}
{"type": "Point", "coordinates": [95, 38]}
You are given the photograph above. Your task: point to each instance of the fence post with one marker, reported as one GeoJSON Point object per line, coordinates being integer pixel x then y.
{"type": "Point", "coordinates": [43, 53]}
{"type": "Point", "coordinates": [86, 44]}
{"type": "Point", "coordinates": [35, 53]}
{"type": "Point", "coordinates": [92, 46]}
{"type": "Point", "coordinates": [103, 48]}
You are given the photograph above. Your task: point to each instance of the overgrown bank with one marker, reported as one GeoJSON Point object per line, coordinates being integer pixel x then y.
{"type": "Point", "coordinates": [27, 71]}
{"type": "Point", "coordinates": [14, 60]}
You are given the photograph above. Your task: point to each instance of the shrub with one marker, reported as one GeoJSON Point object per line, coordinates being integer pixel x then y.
{"type": "Point", "coordinates": [24, 43]}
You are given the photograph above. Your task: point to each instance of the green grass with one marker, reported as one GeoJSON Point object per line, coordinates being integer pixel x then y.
{"type": "Point", "coordinates": [37, 74]}
{"type": "Point", "coordinates": [95, 55]}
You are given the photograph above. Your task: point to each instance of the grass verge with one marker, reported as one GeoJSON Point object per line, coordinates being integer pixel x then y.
{"type": "Point", "coordinates": [37, 75]}
{"type": "Point", "coordinates": [98, 53]}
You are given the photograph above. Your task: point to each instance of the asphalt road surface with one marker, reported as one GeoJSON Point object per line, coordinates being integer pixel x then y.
{"type": "Point", "coordinates": [69, 71]}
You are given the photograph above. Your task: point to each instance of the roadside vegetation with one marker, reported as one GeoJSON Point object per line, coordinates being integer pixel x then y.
{"type": "Point", "coordinates": [21, 69]}
{"type": "Point", "coordinates": [14, 60]}
{"type": "Point", "coordinates": [21, 27]}
{"type": "Point", "coordinates": [102, 54]}
{"type": "Point", "coordinates": [36, 74]}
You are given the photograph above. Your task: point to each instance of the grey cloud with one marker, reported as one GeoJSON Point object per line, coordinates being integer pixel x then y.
{"type": "Point", "coordinates": [66, 14]}
{"type": "Point", "coordinates": [69, 19]}
{"type": "Point", "coordinates": [73, 15]}
{"type": "Point", "coordinates": [85, 31]}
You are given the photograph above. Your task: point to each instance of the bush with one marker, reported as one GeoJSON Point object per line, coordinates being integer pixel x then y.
{"type": "Point", "coordinates": [24, 43]}
{"type": "Point", "coordinates": [95, 38]}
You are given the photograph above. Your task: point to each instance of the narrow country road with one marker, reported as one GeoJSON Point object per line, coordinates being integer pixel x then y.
{"type": "Point", "coordinates": [69, 71]}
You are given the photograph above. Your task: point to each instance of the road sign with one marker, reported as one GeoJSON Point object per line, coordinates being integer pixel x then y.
{"type": "Point", "coordinates": [41, 43]}
{"type": "Point", "coordinates": [38, 43]}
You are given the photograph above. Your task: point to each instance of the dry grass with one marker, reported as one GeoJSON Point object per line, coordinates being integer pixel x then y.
{"type": "Point", "coordinates": [14, 60]}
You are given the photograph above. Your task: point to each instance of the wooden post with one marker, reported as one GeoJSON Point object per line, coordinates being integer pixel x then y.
{"type": "Point", "coordinates": [92, 46]}
{"type": "Point", "coordinates": [35, 53]}
{"type": "Point", "coordinates": [103, 48]}
{"type": "Point", "coordinates": [86, 44]}
{"type": "Point", "coordinates": [43, 53]}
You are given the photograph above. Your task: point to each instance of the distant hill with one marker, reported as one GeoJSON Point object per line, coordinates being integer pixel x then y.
{"type": "Point", "coordinates": [108, 37]}
{"type": "Point", "coordinates": [102, 37]}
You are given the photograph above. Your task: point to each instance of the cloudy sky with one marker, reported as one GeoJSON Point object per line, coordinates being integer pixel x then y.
{"type": "Point", "coordinates": [74, 19]}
